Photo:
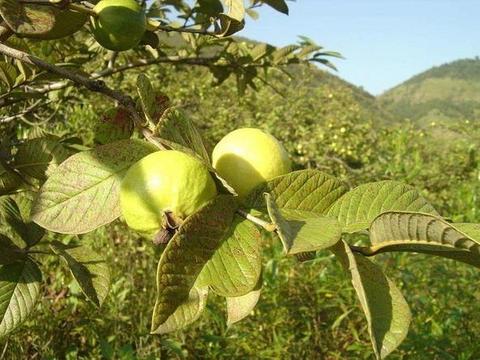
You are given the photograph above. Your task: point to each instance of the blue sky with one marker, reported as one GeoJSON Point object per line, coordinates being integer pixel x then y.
{"type": "Point", "coordinates": [384, 41]}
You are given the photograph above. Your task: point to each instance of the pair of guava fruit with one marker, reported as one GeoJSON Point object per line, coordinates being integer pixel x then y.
{"type": "Point", "coordinates": [118, 25]}
{"type": "Point", "coordinates": [167, 186]}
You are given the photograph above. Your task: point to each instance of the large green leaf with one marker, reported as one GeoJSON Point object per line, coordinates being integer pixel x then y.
{"type": "Point", "coordinates": [28, 231]}
{"type": "Point", "coordinates": [235, 267]}
{"type": "Point", "coordinates": [307, 190]}
{"type": "Point", "coordinates": [82, 194]}
{"type": "Point", "coordinates": [303, 231]}
{"type": "Point", "coordinates": [187, 312]}
{"type": "Point", "coordinates": [40, 21]}
{"type": "Point", "coordinates": [19, 289]}
{"type": "Point", "coordinates": [388, 314]}
{"type": "Point", "coordinates": [236, 9]}
{"type": "Point", "coordinates": [187, 253]}
{"type": "Point", "coordinates": [88, 268]}
{"type": "Point", "coordinates": [356, 209]}
{"type": "Point", "coordinates": [176, 127]}
{"type": "Point", "coordinates": [427, 234]}
{"type": "Point", "coordinates": [27, 19]}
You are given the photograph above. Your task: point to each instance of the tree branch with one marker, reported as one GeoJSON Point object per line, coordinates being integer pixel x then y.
{"type": "Point", "coordinates": [91, 84]}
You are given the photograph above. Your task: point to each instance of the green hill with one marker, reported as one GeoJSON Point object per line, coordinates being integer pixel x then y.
{"type": "Point", "coordinates": [442, 94]}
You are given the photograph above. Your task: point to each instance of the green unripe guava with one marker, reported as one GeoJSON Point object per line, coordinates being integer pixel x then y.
{"type": "Point", "coordinates": [248, 157]}
{"type": "Point", "coordinates": [164, 181]}
{"type": "Point", "coordinates": [119, 24]}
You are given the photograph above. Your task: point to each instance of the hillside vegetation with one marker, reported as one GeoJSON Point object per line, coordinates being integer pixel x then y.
{"type": "Point", "coordinates": [443, 94]}
{"type": "Point", "coordinates": [307, 310]}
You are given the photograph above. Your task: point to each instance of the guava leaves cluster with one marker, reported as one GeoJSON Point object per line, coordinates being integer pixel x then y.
{"type": "Point", "coordinates": [217, 251]}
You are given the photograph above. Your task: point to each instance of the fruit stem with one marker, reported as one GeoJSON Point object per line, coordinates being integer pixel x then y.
{"type": "Point", "coordinates": [264, 224]}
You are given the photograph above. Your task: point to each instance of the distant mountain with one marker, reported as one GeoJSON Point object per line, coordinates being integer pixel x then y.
{"type": "Point", "coordinates": [443, 94]}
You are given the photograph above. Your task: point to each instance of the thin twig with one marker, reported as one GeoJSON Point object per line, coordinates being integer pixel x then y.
{"type": "Point", "coordinates": [28, 110]}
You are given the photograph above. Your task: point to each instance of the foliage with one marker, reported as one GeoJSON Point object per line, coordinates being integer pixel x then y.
{"type": "Point", "coordinates": [56, 176]}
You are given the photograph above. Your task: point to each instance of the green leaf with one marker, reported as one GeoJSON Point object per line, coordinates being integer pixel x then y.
{"type": "Point", "coordinates": [359, 207]}
{"type": "Point", "coordinates": [28, 231]}
{"type": "Point", "coordinates": [27, 19]}
{"type": "Point", "coordinates": [427, 234]}
{"type": "Point", "coordinates": [39, 156]}
{"type": "Point", "coordinates": [228, 26]}
{"type": "Point", "coordinates": [88, 268]}
{"type": "Point", "coordinates": [279, 5]}
{"type": "Point", "coordinates": [388, 314]}
{"type": "Point", "coordinates": [239, 307]}
{"type": "Point", "coordinates": [236, 9]}
{"type": "Point", "coordinates": [187, 253]}
{"type": "Point", "coordinates": [306, 190]}
{"type": "Point", "coordinates": [284, 53]}
{"type": "Point", "coordinates": [82, 194]}
{"type": "Point", "coordinates": [235, 267]}
{"type": "Point", "coordinates": [176, 127]}
{"type": "Point", "coordinates": [19, 289]}
{"type": "Point", "coordinates": [8, 74]}
{"type": "Point", "coordinates": [187, 312]}
{"type": "Point", "coordinates": [9, 252]}
{"type": "Point", "coordinates": [303, 231]}
{"type": "Point", "coordinates": [9, 180]}
{"type": "Point", "coordinates": [147, 96]}
{"type": "Point", "coordinates": [40, 21]}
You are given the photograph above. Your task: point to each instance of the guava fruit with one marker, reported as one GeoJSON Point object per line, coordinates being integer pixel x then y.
{"type": "Point", "coordinates": [165, 182]}
{"type": "Point", "coordinates": [248, 157]}
{"type": "Point", "coordinates": [119, 24]}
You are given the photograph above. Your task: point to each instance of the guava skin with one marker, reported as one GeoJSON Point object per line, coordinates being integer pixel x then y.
{"type": "Point", "coordinates": [248, 157]}
{"type": "Point", "coordinates": [164, 181]}
{"type": "Point", "coordinates": [119, 24]}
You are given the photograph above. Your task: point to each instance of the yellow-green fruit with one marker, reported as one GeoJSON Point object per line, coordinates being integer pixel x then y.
{"type": "Point", "coordinates": [164, 181]}
{"type": "Point", "coordinates": [119, 24]}
{"type": "Point", "coordinates": [248, 157]}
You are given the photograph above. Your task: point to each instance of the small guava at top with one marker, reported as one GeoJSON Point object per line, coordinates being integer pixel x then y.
{"type": "Point", "coordinates": [119, 24]}
{"type": "Point", "coordinates": [247, 157]}
{"type": "Point", "coordinates": [165, 182]}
